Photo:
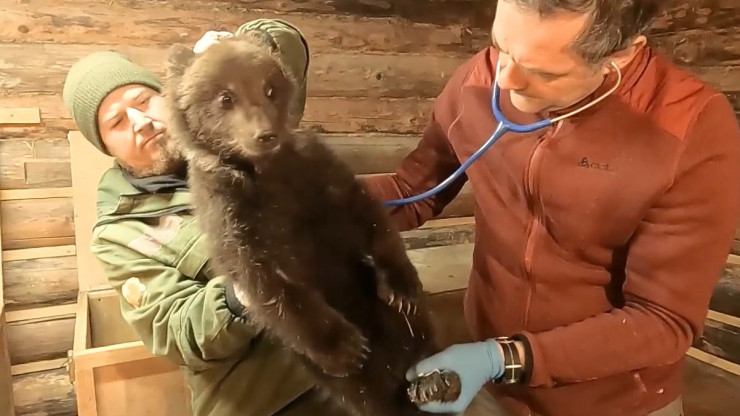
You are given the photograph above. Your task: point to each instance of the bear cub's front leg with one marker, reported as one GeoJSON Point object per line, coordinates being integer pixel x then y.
{"type": "Point", "coordinates": [301, 317]}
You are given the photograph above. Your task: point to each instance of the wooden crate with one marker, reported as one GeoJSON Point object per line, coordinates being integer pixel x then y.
{"type": "Point", "coordinates": [115, 375]}
{"type": "Point", "coordinates": [112, 371]}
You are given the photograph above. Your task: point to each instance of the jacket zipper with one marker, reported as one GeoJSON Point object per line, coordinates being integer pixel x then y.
{"type": "Point", "coordinates": [531, 174]}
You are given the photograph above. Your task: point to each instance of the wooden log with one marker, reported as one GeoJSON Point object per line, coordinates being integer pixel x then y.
{"type": "Point", "coordinates": [40, 282]}
{"type": "Point", "coordinates": [22, 161]}
{"type": "Point", "coordinates": [726, 295]}
{"type": "Point", "coordinates": [49, 338]}
{"type": "Point", "coordinates": [40, 339]}
{"type": "Point", "coordinates": [53, 280]}
{"type": "Point", "coordinates": [721, 339]}
{"type": "Point", "coordinates": [700, 47]}
{"type": "Point", "coordinates": [329, 115]}
{"type": "Point", "coordinates": [37, 223]}
{"type": "Point", "coordinates": [698, 14]}
{"type": "Point", "coordinates": [152, 22]}
{"type": "Point", "coordinates": [44, 393]}
{"type": "Point", "coordinates": [43, 163]}
{"type": "Point", "coordinates": [42, 68]}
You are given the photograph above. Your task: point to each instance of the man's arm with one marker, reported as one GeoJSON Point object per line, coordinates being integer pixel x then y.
{"type": "Point", "coordinates": [175, 316]}
{"type": "Point", "coordinates": [430, 163]}
{"type": "Point", "coordinates": [674, 262]}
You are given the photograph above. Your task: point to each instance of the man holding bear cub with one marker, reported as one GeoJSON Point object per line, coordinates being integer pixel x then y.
{"type": "Point", "coordinates": [152, 252]}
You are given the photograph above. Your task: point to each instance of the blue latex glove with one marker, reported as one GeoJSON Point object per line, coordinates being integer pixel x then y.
{"type": "Point", "coordinates": [476, 363]}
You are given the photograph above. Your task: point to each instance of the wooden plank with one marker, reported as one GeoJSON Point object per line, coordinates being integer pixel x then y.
{"type": "Point", "coordinates": [42, 313]}
{"type": "Point", "coordinates": [726, 295]}
{"type": "Point", "coordinates": [152, 22]}
{"type": "Point", "coordinates": [37, 366]}
{"type": "Point", "coordinates": [713, 360]}
{"type": "Point", "coordinates": [19, 116]}
{"type": "Point", "coordinates": [45, 393]}
{"type": "Point", "coordinates": [436, 233]}
{"type": "Point", "coordinates": [328, 115]}
{"type": "Point", "coordinates": [42, 68]}
{"type": "Point", "coordinates": [31, 341]}
{"type": "Point", "coordinates": [721, 340]}
{"type": "Point", "coordinates": [37, 223]}
{"type": "Point", "coordinates": [38, 253]}
{"type": "Point", "coordinates": [37, 193]}
{"type": "Point", "coordinates": [35, 157]}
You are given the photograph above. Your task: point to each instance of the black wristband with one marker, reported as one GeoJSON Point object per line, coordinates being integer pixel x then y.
{"type": "Point", "coordinates": [232, 303]}
{"type": "Point", "coordinates": [528, 360]}
{"type": "Point", "coordinates": [512, 364]}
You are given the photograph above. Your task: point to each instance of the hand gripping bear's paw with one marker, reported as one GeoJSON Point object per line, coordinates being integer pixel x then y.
{"type": "Point", "coordinates": [442, 386]}
{"type": "Point", "coordinates": [342, 351]}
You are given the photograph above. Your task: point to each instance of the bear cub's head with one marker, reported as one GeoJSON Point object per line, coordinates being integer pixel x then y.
{"type": "Point", "coordinates": [231, 101]}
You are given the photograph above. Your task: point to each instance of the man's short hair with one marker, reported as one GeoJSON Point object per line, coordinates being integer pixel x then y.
{"type": "Point", "coordinates": [612, 26]}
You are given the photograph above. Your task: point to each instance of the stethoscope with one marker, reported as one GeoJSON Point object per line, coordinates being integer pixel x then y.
{"type": "Point", "coordinates": [504, 126]}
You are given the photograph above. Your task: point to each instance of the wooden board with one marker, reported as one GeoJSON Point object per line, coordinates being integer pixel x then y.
{"type": "Point", "coordinates": [6, 382]}
{"type": "Point", "coordinates": [721, 337]}
{"type": "Point", "coordinates": [88, 164]}
{"type": "Point", "coordinates": [18, 116]}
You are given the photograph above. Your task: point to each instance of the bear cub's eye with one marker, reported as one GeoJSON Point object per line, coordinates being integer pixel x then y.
{"type": "Point", "coordinates": [269, 91]}
{"type": "Point", "coordinates": [226, 100]}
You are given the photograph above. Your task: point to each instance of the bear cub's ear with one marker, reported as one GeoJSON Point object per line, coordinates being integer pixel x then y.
{"type": "Point", "coordinates": [179, 57]}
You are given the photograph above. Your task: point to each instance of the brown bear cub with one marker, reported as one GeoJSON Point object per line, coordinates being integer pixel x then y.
{"type": "Point", "coordinates": [313, 258]}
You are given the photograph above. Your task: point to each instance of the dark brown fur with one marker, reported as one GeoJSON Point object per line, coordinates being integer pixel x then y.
{"type": "Point", "coordinates": [311, 255]}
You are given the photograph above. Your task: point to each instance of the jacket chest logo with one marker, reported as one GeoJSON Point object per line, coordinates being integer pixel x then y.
{"type": "Point", "coordinates": [590, 164]}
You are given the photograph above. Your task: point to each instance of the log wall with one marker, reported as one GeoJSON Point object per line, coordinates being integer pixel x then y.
{"type": "Point", "coordinates": [376, 67]}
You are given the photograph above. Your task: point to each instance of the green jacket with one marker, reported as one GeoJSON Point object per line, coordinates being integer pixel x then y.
{"type": "Point", "coordinates": [153, 255]}
{"type": "Point", "coordinates": [231, 367]}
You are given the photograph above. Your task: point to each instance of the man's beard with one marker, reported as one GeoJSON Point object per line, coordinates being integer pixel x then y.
{"type": "Point", "coordinates": [169, 161]}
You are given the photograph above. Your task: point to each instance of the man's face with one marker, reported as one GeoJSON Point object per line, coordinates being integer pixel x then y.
{"type": "Point", "coordinates": [131, 123]}
{"type": "Point", "coordinates": [538, 65]}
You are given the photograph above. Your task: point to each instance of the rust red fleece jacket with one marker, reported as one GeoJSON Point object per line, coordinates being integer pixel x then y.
{"type": "Point", "coordinates": [599, 240]}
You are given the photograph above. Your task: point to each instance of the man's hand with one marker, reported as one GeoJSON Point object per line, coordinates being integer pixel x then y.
{"type": "Point", "coordinates": [476, 363]}
{"type": "Point", "coordinates": [208, 39]}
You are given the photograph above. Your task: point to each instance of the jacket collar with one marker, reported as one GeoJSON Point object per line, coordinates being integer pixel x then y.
{"type": "Point", "coordinates": [117, 196]}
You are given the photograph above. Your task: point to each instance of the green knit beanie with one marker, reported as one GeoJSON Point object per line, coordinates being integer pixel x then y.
{"type": "Point", "coordinates": [91, 79]}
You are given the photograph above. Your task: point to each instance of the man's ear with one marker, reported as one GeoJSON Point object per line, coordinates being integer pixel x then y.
{"type": "Point", "coordinates": [623, 57]}
{"type": "Point", "coordinates": [179, 57]}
